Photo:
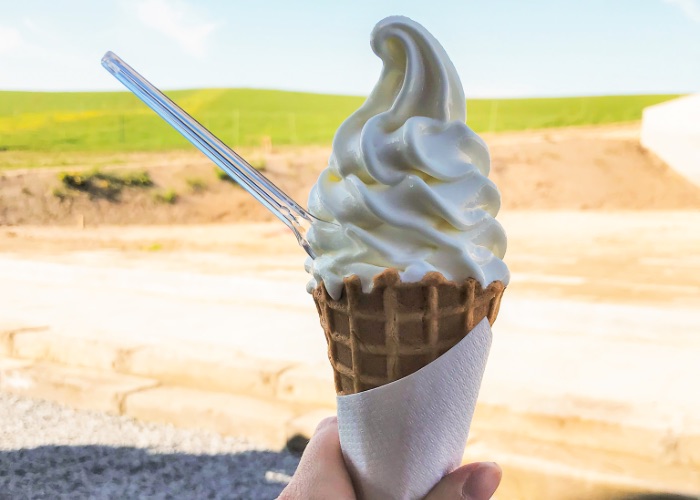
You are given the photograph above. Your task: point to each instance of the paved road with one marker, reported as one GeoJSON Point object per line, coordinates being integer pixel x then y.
{"type": "Point", "coordinates": [51, 452]}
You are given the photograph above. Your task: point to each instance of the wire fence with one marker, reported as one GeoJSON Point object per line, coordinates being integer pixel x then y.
{"type": "Point", "coordinates": [251, 124]}
{"type": "Point", "coordinates": [148, 131]}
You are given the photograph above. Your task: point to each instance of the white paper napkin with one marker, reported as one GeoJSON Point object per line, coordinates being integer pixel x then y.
{"type": "Point", "coordinates": [400, 439]}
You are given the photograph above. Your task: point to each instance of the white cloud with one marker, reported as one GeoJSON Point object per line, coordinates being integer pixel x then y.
{"type": "Point", "coordinates": [32, 26]}
{"type": "Point", "coordinates": [178, 21]}
{"type": "Point", "coordinates": [691, 8]}
{"type": "Point", "coordinates": [10, 40]}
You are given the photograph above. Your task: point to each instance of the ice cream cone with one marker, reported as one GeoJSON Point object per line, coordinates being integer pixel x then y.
{"type": "Point", "coordinates": [378, 337]}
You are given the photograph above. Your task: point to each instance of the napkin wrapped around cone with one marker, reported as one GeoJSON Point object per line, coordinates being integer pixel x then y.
{"type": "Point", "coordinates": [408, 359]}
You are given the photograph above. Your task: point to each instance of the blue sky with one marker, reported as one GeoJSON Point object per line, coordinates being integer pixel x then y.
{"type": "Point", "coordinates": [501, 48]}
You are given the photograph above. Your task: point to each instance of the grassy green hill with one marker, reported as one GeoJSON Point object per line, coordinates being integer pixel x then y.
{"type": "Point", "coordinates": [118, 121]}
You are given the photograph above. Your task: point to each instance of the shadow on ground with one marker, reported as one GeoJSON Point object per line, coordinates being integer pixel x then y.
{"type": "Point", "coordinates": [122, 472]}
{"type": "Point", "coordinates": [658, 496]}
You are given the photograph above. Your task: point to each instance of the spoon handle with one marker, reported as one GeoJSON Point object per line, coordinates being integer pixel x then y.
{"type": "Point", "coordinates": [272, 197]}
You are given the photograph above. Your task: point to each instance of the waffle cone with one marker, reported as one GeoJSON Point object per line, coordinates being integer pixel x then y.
{"type": "Point", "coordinates": [398, 328]}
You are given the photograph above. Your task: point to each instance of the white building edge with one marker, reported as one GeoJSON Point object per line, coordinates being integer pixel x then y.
{"type": "Point", "coordinates": [671, 130]}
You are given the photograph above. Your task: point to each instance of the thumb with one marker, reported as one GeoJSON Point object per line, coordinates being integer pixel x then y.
{"type": "Point", "coordinates": [477, 481]}
{"type": "Point", "coordinates": [321, 472]}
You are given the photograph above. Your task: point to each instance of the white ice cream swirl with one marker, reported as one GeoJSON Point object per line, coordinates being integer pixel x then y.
{"type": "Point", "coordinates": [407, 180]}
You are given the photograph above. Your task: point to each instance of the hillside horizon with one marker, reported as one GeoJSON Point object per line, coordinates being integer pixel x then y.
{"type": "Point", "coordinates": [119, 121]}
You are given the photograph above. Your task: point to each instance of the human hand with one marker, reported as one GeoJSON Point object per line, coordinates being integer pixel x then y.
{"type": "Point", "coordinates": [322, 474]}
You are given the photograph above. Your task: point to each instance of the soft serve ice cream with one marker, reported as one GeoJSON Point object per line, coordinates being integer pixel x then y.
{"type": "Point", "coordinates": [409, 278]}
{"type": "Point", "coordinates": [407, 180]}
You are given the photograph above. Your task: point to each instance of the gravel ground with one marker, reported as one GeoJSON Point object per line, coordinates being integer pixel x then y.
{"type": "Point", "coordinates": [48, 451]}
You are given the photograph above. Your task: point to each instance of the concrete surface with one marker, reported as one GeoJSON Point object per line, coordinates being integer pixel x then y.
{"type": "Point", "coordinates": [216, 368]}
{"type": "Point", "coordinates": [592, 384]}
{"type": "Point", "coordinates": [671, 130]}
{"type": "Point", "coordinates": [77, 387]}
{"type": "Point", "coordinates": [262, 421]}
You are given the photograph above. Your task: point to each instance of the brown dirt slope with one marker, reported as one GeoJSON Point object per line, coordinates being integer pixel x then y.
{"type": "Point", "coordinates": [586, 168]}
{"type": "Point", "coordinates": [596, 168]}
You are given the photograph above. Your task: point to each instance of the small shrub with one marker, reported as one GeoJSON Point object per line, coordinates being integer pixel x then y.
{"type": "Point", "coordinates": [104, 185]}
{"type": "Point", "coordinates": [26, 191]}
{"type": "Point", "coordinates": [223, 176]}
{"type": "Point", "coordinates": [169, 197]}
{"type": "Point", "coordinates": [138, 179]}
{"type": "Point", "coordinates": [196, 184]}
{"type": "Point", "coordinates": [74, 180]}
{"type": "Point", "coordinates": [153, 247]}
{"type": "Point", "coordinates": [60, 194]}
{"type": "Point", "coordinates": [258, 164]}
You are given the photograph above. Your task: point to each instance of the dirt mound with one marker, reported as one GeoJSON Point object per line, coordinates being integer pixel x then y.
{"type": "Point", "coordinates": [186, 190]}
{"type": "Point", "coordinates": [585, 168]}
{"type": "Point", "coordinates": [600, 168]}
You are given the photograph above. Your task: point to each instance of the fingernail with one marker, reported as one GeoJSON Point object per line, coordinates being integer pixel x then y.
{"type": "Point", "coordinates": [482, 482]}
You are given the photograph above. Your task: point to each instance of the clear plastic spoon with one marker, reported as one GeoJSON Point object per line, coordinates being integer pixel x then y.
{"type": "Point", "coordinates": [272, 197]}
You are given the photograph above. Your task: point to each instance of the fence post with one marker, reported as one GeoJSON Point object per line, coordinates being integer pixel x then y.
{"type": "Point", "coordinates": [292, 128]}
{"type": "Point", "coordinates": [122, 129]}
{"type": "Point", "coordinates": [493, 116]}
{"type": "Point", "coordinates": [236, 125]}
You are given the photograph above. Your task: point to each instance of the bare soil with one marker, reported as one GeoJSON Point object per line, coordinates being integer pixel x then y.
{"type": "Point", "coordinates": [588, 168]}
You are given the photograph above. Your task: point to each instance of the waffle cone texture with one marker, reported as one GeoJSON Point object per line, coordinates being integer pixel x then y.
{"type": "Point", "coordinates": [378, 337]}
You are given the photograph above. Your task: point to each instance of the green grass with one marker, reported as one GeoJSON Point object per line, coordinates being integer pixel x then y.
{"type": "Point", "coordinates": [118, 121]}
{"type": "Point", "coordinates": [496, 115]}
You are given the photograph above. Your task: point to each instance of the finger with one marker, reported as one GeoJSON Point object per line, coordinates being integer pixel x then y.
{"type": "Point", "coordinates": [477, 481]}
{"type": "Point", "coordinates": [321, 472]}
